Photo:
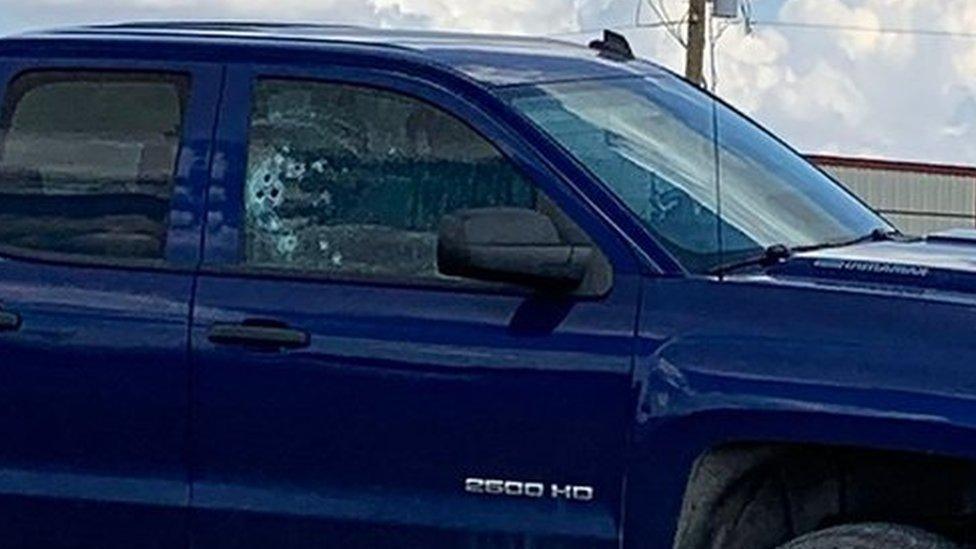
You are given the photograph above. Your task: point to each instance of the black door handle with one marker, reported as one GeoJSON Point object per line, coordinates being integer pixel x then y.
{"type": "Point", "coordinates": [9, 322]}
{"type": "Point", "coordinates": [258, 334]}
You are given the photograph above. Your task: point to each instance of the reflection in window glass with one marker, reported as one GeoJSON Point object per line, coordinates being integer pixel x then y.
{"type": "Point", "coordinates": [347, 179]}
{"type": "Point", "coordinates": [87, 162]}
{"type": "Point", "coordinates": [669, 152]}
{"type": "Point", "coordinates": [658, 156]}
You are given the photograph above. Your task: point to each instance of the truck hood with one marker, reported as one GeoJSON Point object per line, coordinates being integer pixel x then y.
{"type": "Point", "coordinates": [940, 263]}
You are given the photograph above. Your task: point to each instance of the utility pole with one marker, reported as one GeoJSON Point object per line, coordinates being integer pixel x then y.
{"type": "Point", "coordinates": [695, 61]}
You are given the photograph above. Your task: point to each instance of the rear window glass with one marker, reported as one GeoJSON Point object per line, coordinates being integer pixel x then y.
{"type": "Point", "coordinates": [87, 162]}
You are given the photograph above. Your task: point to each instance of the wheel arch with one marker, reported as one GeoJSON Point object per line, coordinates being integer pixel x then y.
{"type": "Point", "coordinates": [667, 449]}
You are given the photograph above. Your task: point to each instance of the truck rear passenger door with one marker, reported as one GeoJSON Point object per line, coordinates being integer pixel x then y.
{"type": "Point", "coordinates": [346, 393]}
{"type": "Point", "coordinates": [102, 167]}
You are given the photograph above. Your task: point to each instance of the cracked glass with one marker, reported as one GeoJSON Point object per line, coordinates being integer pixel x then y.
{"type": "Point", "coordinates": [355, 180]}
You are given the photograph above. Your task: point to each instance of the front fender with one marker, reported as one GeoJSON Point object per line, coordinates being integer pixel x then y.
{"type": "Point", "coordinates": [759, 363]}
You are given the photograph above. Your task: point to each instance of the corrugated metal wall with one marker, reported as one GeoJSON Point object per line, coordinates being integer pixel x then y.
{"type": "Point", "coordinates": [917, 198]}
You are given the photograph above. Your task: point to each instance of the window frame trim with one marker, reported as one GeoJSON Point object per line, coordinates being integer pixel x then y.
{"type": "Point", "coordinates": [223, 261]}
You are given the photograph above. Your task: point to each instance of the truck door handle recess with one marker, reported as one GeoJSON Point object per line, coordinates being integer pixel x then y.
{"type": "Point", "coordinates": [9, 322]}
{"type": "Point", "coordinates": [258, 334]}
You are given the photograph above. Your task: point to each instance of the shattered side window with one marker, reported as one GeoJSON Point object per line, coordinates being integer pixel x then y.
{"type": "Point", "coordinates": [350, 179]}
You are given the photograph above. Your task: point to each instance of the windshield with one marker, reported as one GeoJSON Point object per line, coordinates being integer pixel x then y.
{"type": "Point", "coordinates": [710, 185]}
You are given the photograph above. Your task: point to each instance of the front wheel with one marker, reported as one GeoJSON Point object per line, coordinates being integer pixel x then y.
{"type": "Point", "coordinates": [870, 536]}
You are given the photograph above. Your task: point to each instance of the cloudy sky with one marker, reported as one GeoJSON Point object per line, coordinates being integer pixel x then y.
{"type": "Point", "coordinates": [867, 93]}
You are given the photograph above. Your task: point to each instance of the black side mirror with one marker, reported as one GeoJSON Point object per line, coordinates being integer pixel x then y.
{"type": "Point", "coordinates": [513, 245]}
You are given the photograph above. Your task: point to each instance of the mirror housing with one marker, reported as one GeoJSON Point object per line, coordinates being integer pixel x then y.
{"type": "Point", "coordinates": [513, 245]}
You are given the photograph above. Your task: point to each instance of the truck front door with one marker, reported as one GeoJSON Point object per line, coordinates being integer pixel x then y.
{"type": "Point", "coordinates": [346, 393]}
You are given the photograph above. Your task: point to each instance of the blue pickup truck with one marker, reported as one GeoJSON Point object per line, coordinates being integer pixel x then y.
{"type": "Point", "coordinates": [296, 286]}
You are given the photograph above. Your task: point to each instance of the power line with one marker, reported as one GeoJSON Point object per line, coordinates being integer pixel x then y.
{"type": "Point", "coordinates": [668, 24]}
{"type": "Point", "coordinates": [591, 30]}
{"type": "Point", "coordinates": [866, 29]}
{"type": "Point", "coordinates": [662, 22]}
{"type": "Point", "coordinates": [747, 19]}
{"type": "Point", "coordinates": [662, 14]}
{"type": "Point", "coordinates": [661, 9]}
{"type": "Point", "coordinates": [713, 38]}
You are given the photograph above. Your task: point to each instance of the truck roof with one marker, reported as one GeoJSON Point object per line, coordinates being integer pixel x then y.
{"type": "Point", "coordinates": [495, 60]}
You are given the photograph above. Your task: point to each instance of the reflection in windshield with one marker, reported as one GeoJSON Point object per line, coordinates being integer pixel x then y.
{"type": "Point", "coordinates": [666, 150]}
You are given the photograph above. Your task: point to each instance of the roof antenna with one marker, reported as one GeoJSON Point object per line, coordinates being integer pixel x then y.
{"type": "Point", "coordinates": [613, 46]}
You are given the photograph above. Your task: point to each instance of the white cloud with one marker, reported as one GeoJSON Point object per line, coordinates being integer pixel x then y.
{"type": "Point", "coordinates": [894, 95]}
{"type": "Point", "coordinates": [886, 94]}
{"type": "Point", "coordinates": [835, 12]}
{"type": "Point", "coordinates": [835, 97]}
{"type": "Point", "coordinates": [751, 66]}
{"type": "Point", "coordinates": [47, 12]}
{"type": "Point", "coordinates": [962, 18]}
{"type": "Point", "coordinates": [524, 16]}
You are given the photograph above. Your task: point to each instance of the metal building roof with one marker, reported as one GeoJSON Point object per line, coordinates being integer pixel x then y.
{"type": "Point", "coordinates": [917, 197]}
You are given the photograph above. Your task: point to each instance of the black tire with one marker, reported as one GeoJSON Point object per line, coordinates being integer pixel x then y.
{"type": "Point", "coordinates": [870, 536]}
